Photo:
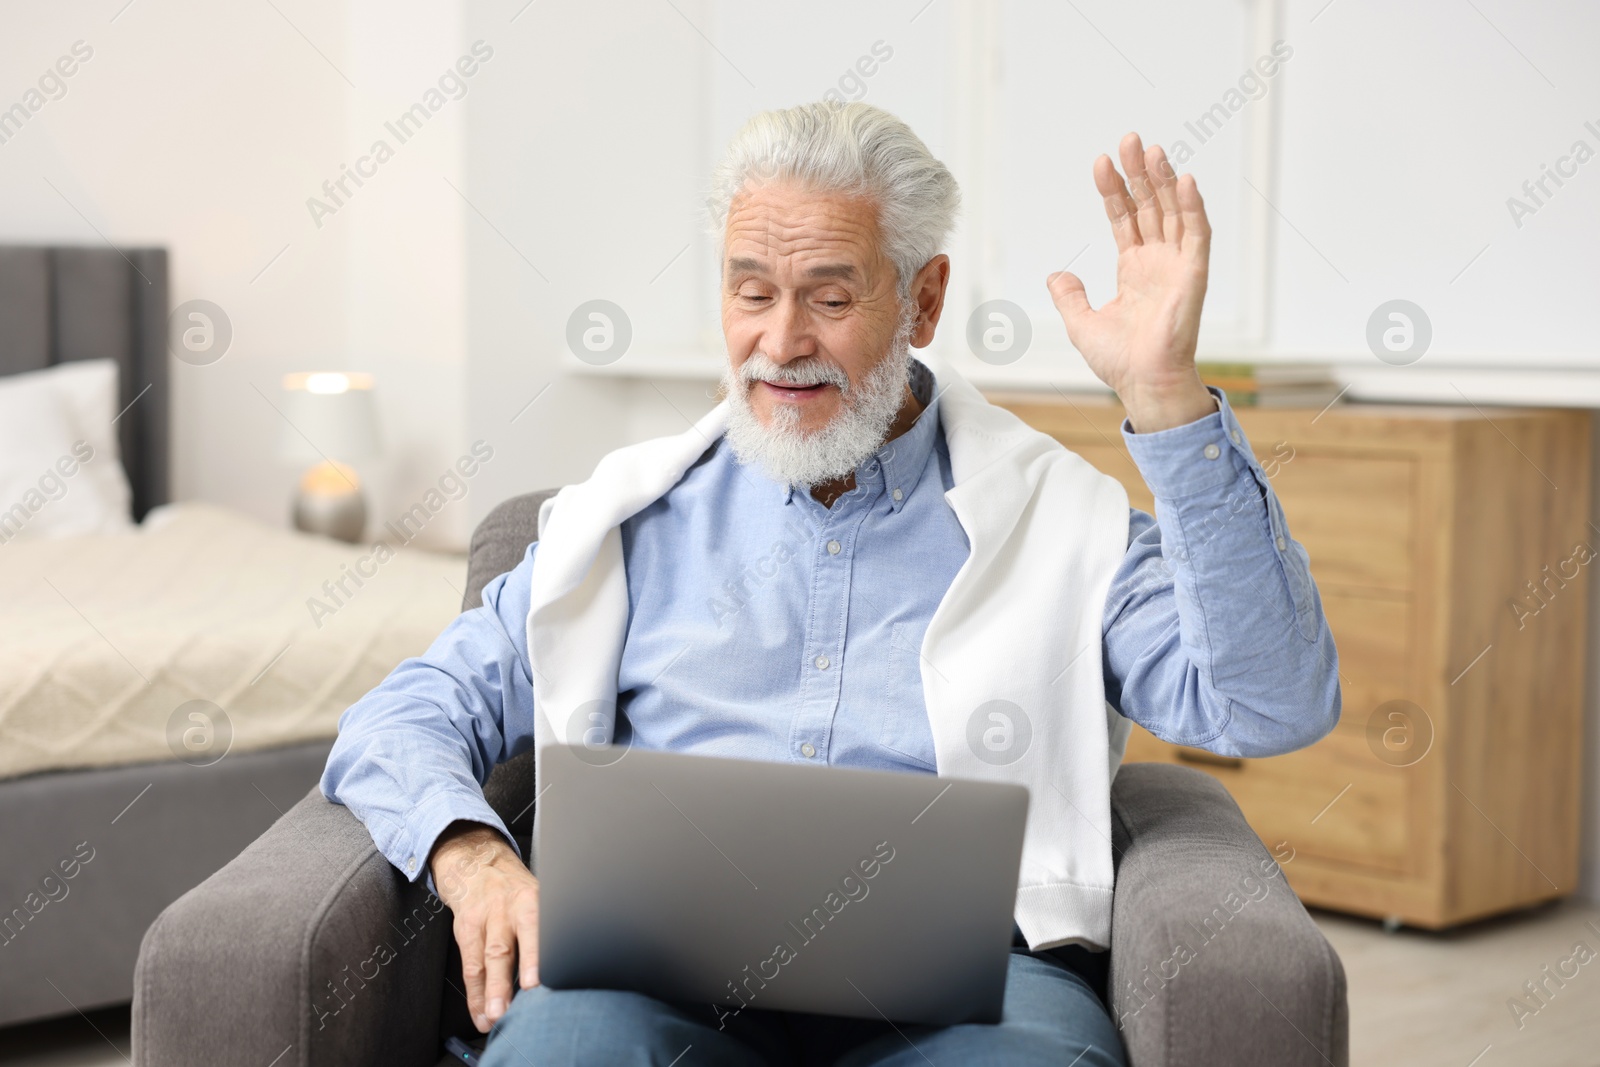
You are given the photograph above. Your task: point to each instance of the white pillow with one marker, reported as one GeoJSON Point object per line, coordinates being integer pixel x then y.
{"type": "Point", "coordinates": [60, 473]}
{"type": "Point", "coordinates": [88, 388]}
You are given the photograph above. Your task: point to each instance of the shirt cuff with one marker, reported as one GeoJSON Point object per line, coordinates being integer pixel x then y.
{"type": "Point", "coordinates": [1192, 458]}
{"type": "Point", "coordinates": [410, 851]}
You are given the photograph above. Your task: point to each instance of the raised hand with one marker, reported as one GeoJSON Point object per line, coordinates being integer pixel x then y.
{"type": "Point", "coordinates": [1142, 341]}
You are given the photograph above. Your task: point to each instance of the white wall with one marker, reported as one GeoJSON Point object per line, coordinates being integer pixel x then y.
{"type": "Point", "coordinates": [583, 156]}
{"type": "Point", "coordinates": [204, 128]}
{"type": "Point", "coordinates": [1405, 128]}
{"type": "Point", "coordinates": [1400, 134]}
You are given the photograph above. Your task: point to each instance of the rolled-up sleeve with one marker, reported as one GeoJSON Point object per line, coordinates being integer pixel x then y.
{"type": "Point", "coordinates": [413, 754]}
{"type": "Point", "coordinates": [1214, 631]}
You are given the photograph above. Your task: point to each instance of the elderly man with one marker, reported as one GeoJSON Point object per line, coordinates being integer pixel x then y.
{"type": "Point", "coordinates": [845, 562]}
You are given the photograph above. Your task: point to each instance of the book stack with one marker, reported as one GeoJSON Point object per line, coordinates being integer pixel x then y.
{"type": "Point", "coordinates": [1281, 385]}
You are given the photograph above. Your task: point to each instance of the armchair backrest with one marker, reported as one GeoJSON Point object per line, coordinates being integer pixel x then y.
{"type": "Point", "coordinates": [500, 540]}
{"type": "Point", "coordinates": [498, 545]}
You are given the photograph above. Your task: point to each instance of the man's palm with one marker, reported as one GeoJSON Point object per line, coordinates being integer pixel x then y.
{"type": "Point", "coordinates": [1145, 336]}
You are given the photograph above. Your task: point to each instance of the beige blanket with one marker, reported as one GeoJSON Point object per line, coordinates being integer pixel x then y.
{"type": "Point", "coordinates": [201, 633]}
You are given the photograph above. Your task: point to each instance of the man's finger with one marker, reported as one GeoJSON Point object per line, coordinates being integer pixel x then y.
{"type": "Point", "coordinates": [1131, 151]}
{"type": "Point", "coordinates": [469, 936]}
{"type": "Point", "coordinates": [1120, 207]}
{"type": "Point", "coordinates": [1066, 290]}
{"type": "Point", "coordinates": [1196, 227]}
{"type": "Point", "coordinates": [499, 949]}
{"type": "Point", "coordinates": [1165, 180]}
{"type": "Point", "coordinates": [527, 921]}
{"type": "Point", "coordinates": [1142, 189]}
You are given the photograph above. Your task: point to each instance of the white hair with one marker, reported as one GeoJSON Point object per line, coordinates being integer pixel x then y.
{"type": "Point", "coordinates": [854, 149]}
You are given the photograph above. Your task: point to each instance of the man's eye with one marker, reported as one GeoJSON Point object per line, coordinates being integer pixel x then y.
{"type": "Point", "coordinates": [835, 303]}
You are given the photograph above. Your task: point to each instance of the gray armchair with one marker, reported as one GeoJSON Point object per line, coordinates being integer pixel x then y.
{"type": "Point", "coordinates": [311, 950]}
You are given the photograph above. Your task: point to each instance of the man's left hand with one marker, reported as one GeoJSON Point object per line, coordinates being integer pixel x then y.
{"type": "Point", "coordinates": [1142, 341]}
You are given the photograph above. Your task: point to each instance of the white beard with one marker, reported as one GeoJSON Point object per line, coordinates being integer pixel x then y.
{"type": "Point", "coordinates": [800, 459]}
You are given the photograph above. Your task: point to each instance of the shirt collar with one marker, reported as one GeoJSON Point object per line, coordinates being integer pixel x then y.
{"type": "Point", "coordinates": [898, 464]}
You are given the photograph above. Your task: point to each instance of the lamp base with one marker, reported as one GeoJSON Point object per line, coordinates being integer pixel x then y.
{"type": "Point", "coordinates": [329, 502]}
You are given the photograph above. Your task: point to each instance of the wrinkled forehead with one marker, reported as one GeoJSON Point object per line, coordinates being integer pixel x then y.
{"type": "Point", "coordinates": [787, 229]}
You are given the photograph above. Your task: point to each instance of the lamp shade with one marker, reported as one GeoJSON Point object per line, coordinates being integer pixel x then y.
{"type": "Point", "coordinates": [329, 415]}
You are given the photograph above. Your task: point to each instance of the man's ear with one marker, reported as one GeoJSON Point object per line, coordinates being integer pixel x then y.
{"type": "Point", "coordinates": [928, 289]}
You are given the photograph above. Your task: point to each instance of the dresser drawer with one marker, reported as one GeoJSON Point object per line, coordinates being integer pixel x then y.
{"type": "Point", "coordinates": [1373, 638]}
{"type": "Point", "coordinates": [1354, 514]}
{"type": "Point", "coordinates": [1333, 800]}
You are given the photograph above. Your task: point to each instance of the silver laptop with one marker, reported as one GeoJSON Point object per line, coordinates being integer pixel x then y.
{"type": "Point", "coordinates": [749, 884]}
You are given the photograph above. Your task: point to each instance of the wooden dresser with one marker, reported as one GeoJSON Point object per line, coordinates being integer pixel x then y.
{"type": "Point", "coordinates": [1452, 550]}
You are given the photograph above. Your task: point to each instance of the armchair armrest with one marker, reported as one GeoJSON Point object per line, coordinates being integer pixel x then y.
{"type": "Point", "coordinates": [309, 946]}
{"type": "Point", "coordinates": [1214, 960]}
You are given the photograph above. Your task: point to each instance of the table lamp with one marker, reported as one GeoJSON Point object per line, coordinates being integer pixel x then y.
{"type": "Point", "coordinates": [331, 422]}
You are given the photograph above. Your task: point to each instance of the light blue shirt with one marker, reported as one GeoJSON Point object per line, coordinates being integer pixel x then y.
{"type": "Point", "coordinates": [763, 625]}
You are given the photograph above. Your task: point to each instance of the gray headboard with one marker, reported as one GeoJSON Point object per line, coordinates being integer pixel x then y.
{"type": "Point", "coordinates": [65, 303]}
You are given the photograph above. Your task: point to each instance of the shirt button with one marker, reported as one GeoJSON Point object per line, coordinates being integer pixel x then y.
{"type": "Point", "coordinates": [1235, 435]}
{"type": "Point", "coordinates": [822, 663]}
{"type": "Point", "coordinates": [1282, 544]}
{"type": "Point", "coordinates": [1212, 451]}
{"type": "Point", "coordinates": [411, 865]}
{"type": "Point", "coordinates": [833, 548]}
{"type": "Point", "coordinates": [898, 496]}
{"type": "Point", "coordinates": [807, 751]}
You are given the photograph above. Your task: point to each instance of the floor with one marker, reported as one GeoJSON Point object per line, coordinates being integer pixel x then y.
{"type": "Point", "coordinates": [1417, 998]}
{"type": "Point", "coordinates": [1443, 999]}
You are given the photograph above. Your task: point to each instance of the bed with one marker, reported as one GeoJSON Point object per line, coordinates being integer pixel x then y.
{"type": "Point", "coordinates": [167, 690]}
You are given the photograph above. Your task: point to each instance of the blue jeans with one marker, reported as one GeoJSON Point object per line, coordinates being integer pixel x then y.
{"type": "Point", "coordinates": [1051, 1015]}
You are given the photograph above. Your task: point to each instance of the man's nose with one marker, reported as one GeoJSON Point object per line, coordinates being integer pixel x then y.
{"type": "Point", "coordinates": [789, 335]}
